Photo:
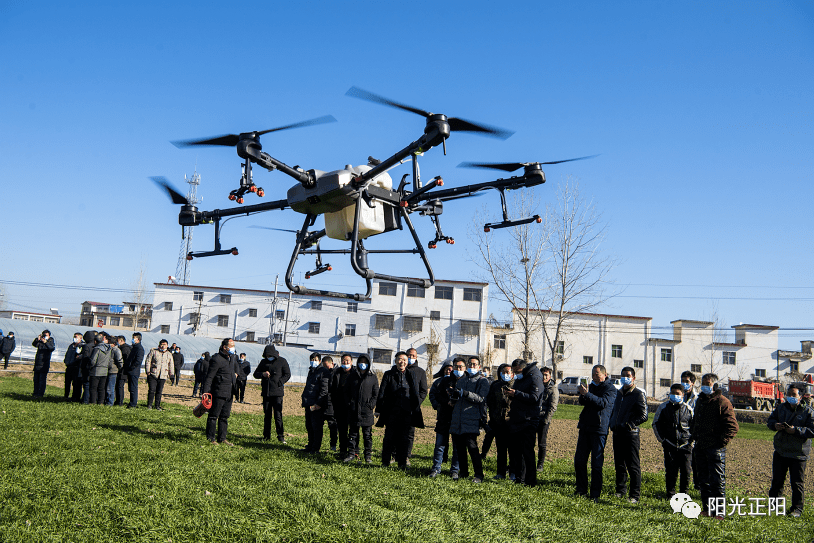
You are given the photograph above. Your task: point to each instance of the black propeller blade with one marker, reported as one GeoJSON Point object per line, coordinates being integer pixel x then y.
{"type": "Point", "coordinates": [175, 196]}
{"type": "Point", "coordinates": [230, 140]}
{"type": "Point", "coordinates": [512, 166]}
{"type": "Point", "coordinates": [455, 124]}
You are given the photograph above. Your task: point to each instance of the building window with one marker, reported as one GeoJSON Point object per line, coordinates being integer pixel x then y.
{"type": "Point", "coordinates": [616, 351]}
{"type": "Point", "coordinates": [383, 322]}
{"type": "Point", "coordinates": [414, 291]}
{"type": "Point", "coordinates": [667, 356]}
{"type": "Point", "coordinates": [225, 298]}
{"type": "Point", "coordinates": [560, 348]}
{"type": "Point", "coordinates": [695, 368]}
{"type": "Point", "coordinates": [316, 305]}
{"type": "Point", "coordinates": [132, 308]}
{"type": "Point", "coordinates": [280, 315]}
{"type": "Point", "coordinates": [127, 322]}
{"type": "Point", "coordinates": [638, 364]}
{"type": "Point", "coordinates": [194, 318]}
{"type": "Point", "coordinates": [387, 289]}
{"type": "Point", "coordinates": [278, 337]}
{"type": "Point", "coordinates": [167, 306]}
{"type": "Point", "coordinates": [197, 296]}
{"type": "Point", "coordinates": [412, 324]}
{"type": "Point", "coordinates": [165, 328]}
{"type": "Point", "coordinates": [114, 321]}
{"type": "Point", "coordinates": [252, 312]}
{"type": "Point", "coordinates": [250, 336]}
{"type": "Point", "coordinates": [472, 294]}
{"type": "Point", "coordinates": [350, 330]}
{"type": "Point", "coordinates": [353, 307]}
{"type": "Point", "coordinates": [500, 341]}
{"type": "Point", "coordinates": [142, 323]}
{"type": "Point", "coordinates": [223, 320]}
{"type": "Point", "coordinates": [443, 293]}
{"type": "Point", "coordinates": [313, 328]}
{"type": "Point", "coordinates": [470, 328]}
{"type": "Point", "coordinates": [729, 357]}
{"type": "Point", "coordinates": [760, 373]}
{"type": "Point", "coordinates": [664, 383]}
{"type": "Point", "coordinates": [86, 321]}
{"type": "Point", "coordinates": [435, 315]}
{"type": "Point", "coordinates": [794, 366]}
{"type": "Point", "coordinates": [588, 360]}
{"type": "Point", "coordinates": [382, 356]}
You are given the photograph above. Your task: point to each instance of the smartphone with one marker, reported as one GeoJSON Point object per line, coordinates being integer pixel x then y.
{"type": "Point", "coordinates": [583, 382]}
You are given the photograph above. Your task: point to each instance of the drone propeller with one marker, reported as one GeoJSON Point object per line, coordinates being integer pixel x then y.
{"type": "Point", "coordinates": [512, 166]}
{"type": "Point", "coordinates": [175, 196]}
{"type": "Point", "coordinates": [455, 124]}
{"type": "Point", "coordinates": [270, 228]}
{"type": "Point", "coordinates": [231, 140]}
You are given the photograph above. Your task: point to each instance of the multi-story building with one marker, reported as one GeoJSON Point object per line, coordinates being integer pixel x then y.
{"type": "Point", "coordinates": [440, 322]}
{"type": "Point", "coordinates": [126, 316]}
{"type": "Point", "coordinates": [18, 315]}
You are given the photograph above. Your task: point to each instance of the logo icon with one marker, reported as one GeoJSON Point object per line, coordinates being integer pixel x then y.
{"type": "Point", "coordinates": [683, 503]}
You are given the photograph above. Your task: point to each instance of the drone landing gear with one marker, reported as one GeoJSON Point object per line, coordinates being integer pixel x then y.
{"type": "Point", "coordinates": [506, 221]}
{"type": "Point", "coordinates": [218, 251]}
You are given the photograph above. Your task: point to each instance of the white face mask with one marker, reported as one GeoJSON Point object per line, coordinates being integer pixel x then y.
{"type": "Point", "coordinates": [77, 339]}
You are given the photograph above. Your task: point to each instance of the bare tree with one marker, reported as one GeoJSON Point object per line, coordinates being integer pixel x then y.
{"type": "Point", "coordinates": [140, 294]}
{"type": "Point", "coordinates": [3, 295]}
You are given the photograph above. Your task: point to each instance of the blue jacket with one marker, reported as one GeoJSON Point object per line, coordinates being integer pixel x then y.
{"type": "Point", "coordinates": [598, 402]}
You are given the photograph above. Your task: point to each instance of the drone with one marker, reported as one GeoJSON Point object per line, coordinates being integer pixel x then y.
{"type": "Point", "coordinates": [359, 202]}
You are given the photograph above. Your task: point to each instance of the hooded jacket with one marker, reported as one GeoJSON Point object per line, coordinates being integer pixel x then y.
{"type": "Point", "coordinates": [279, 371]}
{"type": "Point", "coordinates": [439, 375]}
{"type": "Point", "coordinates": [798, 444]}
{"type": "Point", "coordinates": [361, 392]}
{"type": "Point", "coordinates": [87, 352]}
{"type": "Point", "coordinates": [101, 361]}
{"type": "Point", "coordinates": [7, 345]}
{"type": "Point", "coordinates": [469, 411]}
{"type": "Point", "coordinates": [42, 360]}
{"type": "Point", "coordinates": [629, 410]}
{"type": "Point", "coordinates": [498, 401]}
{"type": "Point", "coordinates": [672, 423]}
{"type": "Point", "coordinates": [440, 397]}
{"type": "Point", "coordinates": [714, 424]}
{"type": "Point", "coordinates": [528, 396]}
{"type": "Point", "coordinates": [598, 402]}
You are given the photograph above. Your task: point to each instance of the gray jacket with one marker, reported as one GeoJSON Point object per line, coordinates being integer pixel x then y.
{"type": "Point", "coordinates": [469, 412]}
{"type": "Point", "coordinates": [116, 354]}
{"type": "Point", "coordinates": [101, 360]}
{"type": "Point", "coordinates": [551, 397]}
{"type": "Point", "coordinates": [798, 444]}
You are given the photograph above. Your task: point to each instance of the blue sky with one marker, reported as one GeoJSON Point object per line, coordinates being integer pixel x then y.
{"type": "Point", "coordinates": [701, 111]}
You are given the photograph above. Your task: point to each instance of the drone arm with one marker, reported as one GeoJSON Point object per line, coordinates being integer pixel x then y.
{"type": "Point", "coordinates": [265, 160]}
{"type": "Point", "coordinates": [208, 216]}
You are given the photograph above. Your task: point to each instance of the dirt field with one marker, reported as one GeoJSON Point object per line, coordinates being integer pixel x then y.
{"type": "Point", "coordinates": [749, 461]}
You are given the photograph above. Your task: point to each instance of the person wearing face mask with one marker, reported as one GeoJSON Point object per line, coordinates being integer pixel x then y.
{"type": "Point", "coordinates": [498, 402]}
{"type": "Point", "coordinates": [315, 401]}
{"type": "Point", "coordinates": [671, 425]}
{"type": "Point", "coordinates": [713, 427]}
{"type": "Point", "coordinates": [42, 361]}
{"type": "Point", "coordinates": [7, 345]}
{"type": "Point", "coordinates": [399, 408]}
{"type": "Point", "coordinates": [468, 417]}
{"type": "Point", "coordinates": [688, 386]}
{"type": "Point", "coordinates": [598, 399]}
{"type": "Point", "coordinates": [84, 364]}
{"type": "Point", "coordinates": [244, 369]}
{"type": "Point", "coordinates": [440, 400]}
{"type": "Point", "coordinates": [199, 371]}
{"type": "Point", "coordinates": [628, 413]}
{"type": "Point", "coordinates": [336, 388]}
{"type": "Point", "coordinates": [794, 427]}
{"type": "Point", "coordinates": [71, 360]}
{"type": "Point", "coordinates": [158, 366]}
{"type": "Point", "coordinates": [101, 362]}
{"type": "Point", "coordinates": [273, 372]}
{"type": "Point", "coordinates": [420, 377]}
{"type": "Point", "coordinates": [220, 383]}
{"type": "Point", "coordinates": [524, 418]}
{"type": "Point", "coordinates": [177, 363]}
{"type": "Point", "coordinates": [132, 367]}
{"type": "Point", "coordinates": [360, 393]}
{"type": "Point", "coordinates": [122, 375]}
{"type": "Point", "coordinates": [551, 398]}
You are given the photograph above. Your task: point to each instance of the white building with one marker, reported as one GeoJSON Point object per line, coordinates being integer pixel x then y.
{"type": "Point", "coordinates": [616, 341]}
{"type": "Point", "coordinates": [18, 315]}
{"type": "Point", "coordinates": [439, 322]}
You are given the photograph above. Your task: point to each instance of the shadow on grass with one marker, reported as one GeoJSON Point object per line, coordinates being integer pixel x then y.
{"type": "Point", "coordinates": [29, 398]}
{"type": "Point", "coordinates": [151, 434]}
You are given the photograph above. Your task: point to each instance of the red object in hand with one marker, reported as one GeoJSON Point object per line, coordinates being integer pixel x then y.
{"type": "Point", "coordinates": [204, 406]}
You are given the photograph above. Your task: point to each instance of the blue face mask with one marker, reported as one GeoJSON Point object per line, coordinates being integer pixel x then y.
{"type": "Point", "coordinates": [362, 366]}
{"type": "Point", "coordinates": [472, 371]}
{"type": "Point", "coordinates": [458, 373]}
{"type": "Point", "coordinates": [518, 376]}
{"type": "Point", "coordinates": [411, 361]}
{"type": "Point", "coordinates": [232, 350]}
{"type": "Point", "coordinates": [792, 401]}
{"type": "Point", "coordinates": [706, 390]}
{"type": "Point", "coordinates": [687, 386]}
{"type": "Point", "coordinates": [314, 363]}
{"type": "Point", "coordinates": [506, 377]}
{"type": "Point", "coordinates": [626, 381]}
{"type": "Point", "coordinates": [345, 366]}
{"type": "Point", "coordinates": [676, 398]}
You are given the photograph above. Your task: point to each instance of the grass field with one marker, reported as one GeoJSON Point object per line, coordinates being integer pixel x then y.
{"type": "Point", "coordinates": [92, 474]}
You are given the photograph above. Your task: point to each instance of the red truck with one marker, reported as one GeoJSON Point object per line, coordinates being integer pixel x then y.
{"type": "Point", "coordinates": [755, 395]}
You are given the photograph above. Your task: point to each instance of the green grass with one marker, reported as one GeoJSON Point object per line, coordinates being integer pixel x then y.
{"type": "Point", "coordinates": [93, 473]}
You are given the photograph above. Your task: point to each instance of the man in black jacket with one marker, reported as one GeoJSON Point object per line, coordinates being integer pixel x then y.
{"type": "Point", "coordinates": [336, 388]}
{"type": "Point", "coordinates": [361, 392]}
{"type": "Point", "coordinates": [84, 364]}
{"type": "Point", "coordinates": [420, 377]}
{"type": "Point", "coordinates": [441, 401]}
{"type": "Point", "coordinates": [499, 404]}
{"type": "Point", "coordinates": [399, 408]}
{"type": "Point", "coordinates": [42, 361]}
{"type": "Point", "coordinates": [122, 376]}
{"type": "Point", "coordinates": [524, 417]}
{"type": "Point", "coordinates": [244, 369]}
{"type": "Point", "coordinates": [550, 400]}
{"type": "Point", "coordinates": [178, 363]}
{"type": "Point", "coordinates": [7, 345]}
{"type": "Point", "coordinates": [273, 372]}
{"type": "Point", "coordinates": [629, 412]}
{"type": "Point", "coordinates": [132, 368]}
{"type": "Point", "coordinates": [316, 401]}
{"type": "Point", "coordinates": [220, 383]}
{"type": "Point", "coordinates": [71, 360]}
{"type": "Point", "coordinates": [200, 369]}
{"type": "Point", "coordinates": [597, 399]}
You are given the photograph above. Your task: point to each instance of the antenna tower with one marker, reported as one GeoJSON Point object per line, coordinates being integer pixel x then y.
{"type": "Point", "coordinates": [183, 268]}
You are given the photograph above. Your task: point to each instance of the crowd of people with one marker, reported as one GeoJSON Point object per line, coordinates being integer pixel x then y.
{"type": "Point", "coordinates": [515, 410]}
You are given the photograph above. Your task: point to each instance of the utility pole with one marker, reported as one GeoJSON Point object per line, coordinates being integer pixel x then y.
{"type": "Point", "coordinates": [287, 317]}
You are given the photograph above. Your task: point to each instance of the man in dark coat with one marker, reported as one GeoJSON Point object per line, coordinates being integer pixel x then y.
{"type": "Point", "coordinates": [84, 363]}
{"type": "Point", "coordinates": [629, 412]}
{"type": "Point", "coordinates": [399, 408]}
{"type": "Point", "coordinates": [671, 425]}
{"type": "Point", "coordinates": [524, 417]}
{"type": "Point", "coordinates": [336, 388]}
{"type": "Point", "coordinates": [7, 345]}
{"type": "Point", "coordinates": [550, 400]}
{"type": "Point", "coordinates": [593, 424]}
{"type": "Point", "coordinates": [42, 361]}
{"type": "Point", "coordinates": [273, 372]}
{"type": "Point", "coordinates": [316, 401]}
{"type": "Point", "coordinates": [220, 383]}
{"type": "Point", "coordinates": [468, 417]}
{"type": "Point", "coordinates": [244, 369]}
{"type": "Point", "coordinates": [713, 426]}
{"type": "Point", "coordinates": [498, 402]}
{"type": "Point", "coordinates": [440, 399]}
{"type": "Point", "coordinates": [132, 368]}
{"type": "Point", "coordinates": [361, 392]}
{"type": "Point", "coordinates": [178, 363]}
{"type": "Point", "coordinates": [71, 360]}
{"type": "Point", "coordinates": [121, 377]}
{"type": "Point", "coordinates": [420, 377]}
{"type": "Point", "coordinates": [200, 369]}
